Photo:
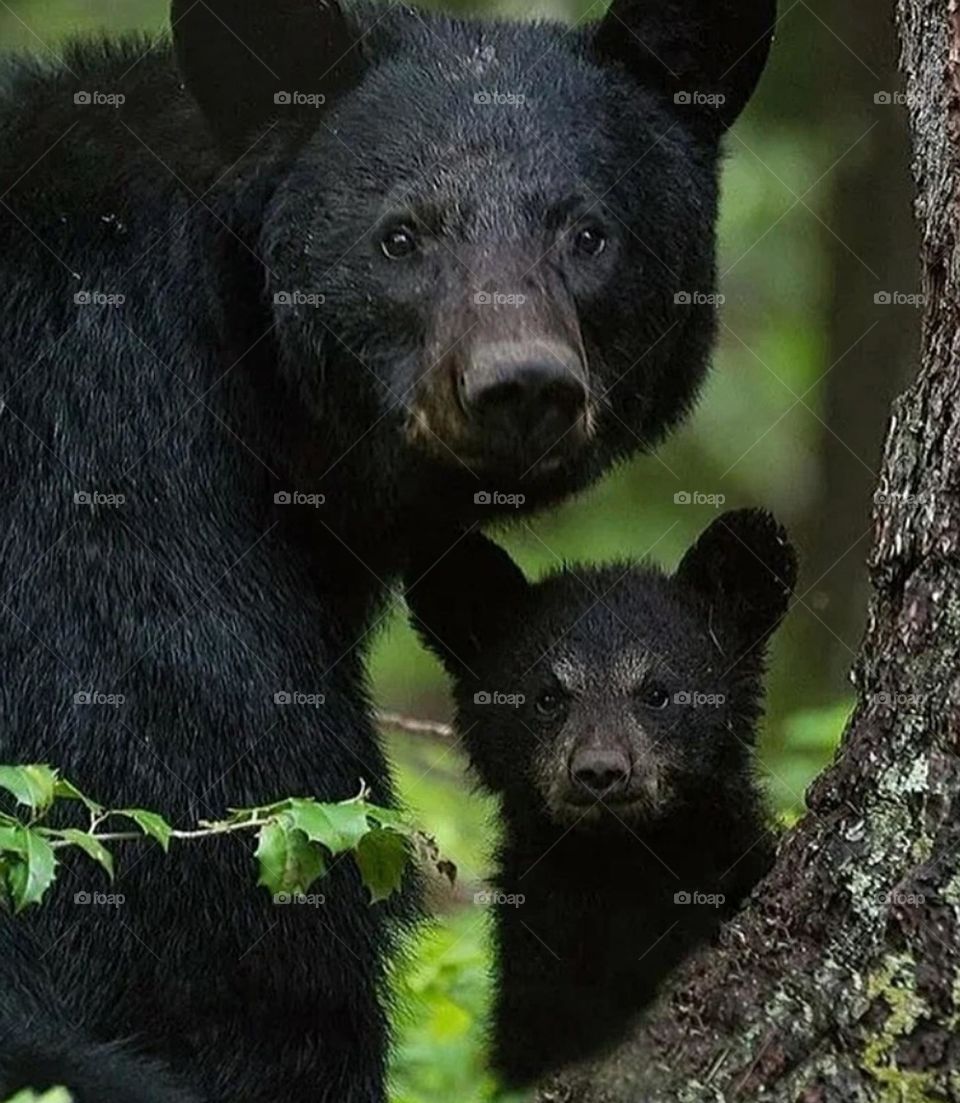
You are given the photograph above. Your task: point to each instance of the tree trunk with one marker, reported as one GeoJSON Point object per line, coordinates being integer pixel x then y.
{"type": "Point", "coordinates": [840, 983]}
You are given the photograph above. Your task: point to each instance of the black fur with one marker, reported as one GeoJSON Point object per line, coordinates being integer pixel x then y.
{"type": "Point", "coordinates": [202, 396]}
{"type": "Point", "coordinates": [660, 676]}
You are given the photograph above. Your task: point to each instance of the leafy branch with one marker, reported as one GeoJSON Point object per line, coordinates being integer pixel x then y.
{"type": "Point", "coordinates": [296, 838]}
{"type": "Point", "coordinates": [55, 1095]}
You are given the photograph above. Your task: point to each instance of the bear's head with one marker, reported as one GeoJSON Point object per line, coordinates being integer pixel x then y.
{"type": "Point", "coordinates": [607, 695]}
{"type": "Point", "coordinates": [492, 243]}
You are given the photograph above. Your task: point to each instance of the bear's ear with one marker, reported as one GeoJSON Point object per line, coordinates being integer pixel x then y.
{"type": "Point", "coordinates": [705, 55]}
{"type": "Point", "coordinates": [462, 603]}
{"type": "Point", "coordinates": [746, 569]}
{"type": "Point", "coordinates": [248, 63]}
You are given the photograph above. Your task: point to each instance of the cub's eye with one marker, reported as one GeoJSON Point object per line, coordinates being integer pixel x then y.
{"type": "Point", "coordinates": [590, 241]}
{"type": "Point", "coordinates": [654, 697]}
{"type": "Point", "coordinates": [549, 704]}
{"type": "Point", "coordinates": [399, 243]}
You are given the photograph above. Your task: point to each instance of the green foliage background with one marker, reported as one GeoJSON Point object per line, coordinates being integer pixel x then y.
{"type": "Point", "coordinates": [765, 432]}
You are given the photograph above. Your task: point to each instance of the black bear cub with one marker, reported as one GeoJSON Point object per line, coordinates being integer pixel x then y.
{"type": "Point", "coordinates": [614, 711]}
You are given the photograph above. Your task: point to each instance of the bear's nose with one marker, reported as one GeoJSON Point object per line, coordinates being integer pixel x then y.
{"type": "Point", "coordinates": [602, 772]}
{"type": "Point", "coordinates": [525, 388]}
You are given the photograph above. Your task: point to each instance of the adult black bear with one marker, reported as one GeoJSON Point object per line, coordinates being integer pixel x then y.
{"type": "Point", "coordinates": [614, 711]}
{"type": "Point", "coordinates": [255, 343]}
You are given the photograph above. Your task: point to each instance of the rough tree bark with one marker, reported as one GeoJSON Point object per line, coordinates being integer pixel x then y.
{"type": "Point", "coordinates": [841, 981]}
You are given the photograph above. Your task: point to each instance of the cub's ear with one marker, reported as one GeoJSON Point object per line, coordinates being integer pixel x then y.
{"type": "Point", "coordinates": [705, 55]}
{"type": "Point", "coordinates": [248, 63]}
{"type": "Point", "coordinates": [462, 603]}
{"type": "Point", "coordinates": [746, 568]}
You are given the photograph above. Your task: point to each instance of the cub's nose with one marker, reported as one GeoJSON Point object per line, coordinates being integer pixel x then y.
{"type": "Point", "coordinates": [603, 773]}
{"type": "Point", "coordinates": [525, 389]}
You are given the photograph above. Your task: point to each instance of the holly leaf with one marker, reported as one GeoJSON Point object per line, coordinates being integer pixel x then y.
{"type": "Point", "coordinates": [11, 839]}
{"type": "Point", "coordinates": [33, 786]}
{"type": "Point", "coordinates": [30, 876]}
{"type": "Point", "coordinates": [12, 847]}
{"type": "Point", "coordinates": [388, 817]}
{"type": "Point", "coordinates": [289, 862]}
{"type": "Point", "coordinates": [66, 790]}
{"type": "Point", "coordinates": [150, 823]}
{"type": "Point", "coordinates": [91, 846]}
{"type": "Point", "coordinates": [55, 1095]}
{"type": "Point", "coordinates": [382, 858]}
{"type": "Point", "coordinates": [338, 827]}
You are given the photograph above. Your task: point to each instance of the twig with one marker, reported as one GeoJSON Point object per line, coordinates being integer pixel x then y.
{"type": "Point", "coordinates": [205, 831]}
{"type": "Point", "coordinates": [414, 726]}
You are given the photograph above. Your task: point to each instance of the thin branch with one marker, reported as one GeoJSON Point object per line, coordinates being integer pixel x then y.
{"type": "Point", "coordinates": [416, 727]}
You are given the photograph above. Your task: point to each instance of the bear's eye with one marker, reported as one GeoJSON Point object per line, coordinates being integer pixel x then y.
{"type": "Point", "coordinates": [548, 704]}
{"type": "Point", "coordinates": [590, 241]}
{"type": "Point", "coordinates": [399, 243]}
{"type": "Point", "coordinates": [654, 697]}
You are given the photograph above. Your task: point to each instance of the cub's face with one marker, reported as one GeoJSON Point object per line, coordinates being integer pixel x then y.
{"type": "Point", "coordinates": [609, 697]}
{"type": "Point", "coordinates": [617, 694]}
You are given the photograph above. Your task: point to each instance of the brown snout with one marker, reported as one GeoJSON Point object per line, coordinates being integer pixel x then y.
{"type": "Point", "coordinates": [600, 772]}
{"type": "Point", "coordinates": [508, 388]}
{"type": "Point", "coordinates": [525, 382]}
{"type": "Point", "coordinates": [523, 396]}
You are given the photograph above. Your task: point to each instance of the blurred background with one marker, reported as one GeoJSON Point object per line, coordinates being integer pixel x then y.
{"type": "Point", "coordinates": [817, 249]}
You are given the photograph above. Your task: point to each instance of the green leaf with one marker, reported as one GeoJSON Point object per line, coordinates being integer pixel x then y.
{"type": "Point", "coordinates": [389, 817]}
{"type": "Point", "coordinates": [31, 876]}
{"type": "Point", "coordinates": [55, 1095]}
{"type": "Point", "coordinates": [289, 862]}
{"type": "Point", "coordinates": [11, 839]}
{"type": "Point", "coordinates": [90, 845]}
{"type": "Point", "coordinates": [31, 785]}
{"type": "Point", "coordinates": [339, 827]}
{"type": "Point", "coordinates": [66, 790]}
{"type": "Point", "coordinates": [382, 858]}
{"type": "Point", "coordinates": [150, 823]}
